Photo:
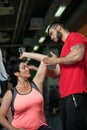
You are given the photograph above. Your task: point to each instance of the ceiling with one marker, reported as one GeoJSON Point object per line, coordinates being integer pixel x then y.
{"type": "Point", "coordinates": [24, 22]}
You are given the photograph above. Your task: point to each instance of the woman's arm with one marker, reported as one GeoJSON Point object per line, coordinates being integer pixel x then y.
{"type": "Point", "coordinates": [40, 75]}
{"type": "Point", "coordinates": [4, 108]}
{"type": "Point", "coordinates": [41, 70]}
{"type": "Point", "coordinates": [31, 55]}
{"type": "Point", "coordinates": [54, 73]}
{"type": "Point", "coordinates": [33, 67]}
{"type": "Point", "coordinates": [5, 105]}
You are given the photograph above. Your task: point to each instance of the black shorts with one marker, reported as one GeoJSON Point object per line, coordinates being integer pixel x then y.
{"type": "Point", "coordinates": [45, 128]}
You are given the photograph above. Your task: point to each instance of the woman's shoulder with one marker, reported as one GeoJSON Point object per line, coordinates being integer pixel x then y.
{"type": "Point", "coordinates": [7, 96]}
{"type": "Point", "coordinates": [8, 92]}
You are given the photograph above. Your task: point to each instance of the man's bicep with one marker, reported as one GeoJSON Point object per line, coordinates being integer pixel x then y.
{"type": "Point", "coordinates": [78, 50]}
{"type": "Point", "coordinates": [78, 47]}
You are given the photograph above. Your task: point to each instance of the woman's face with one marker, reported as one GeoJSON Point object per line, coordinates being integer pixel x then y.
{"type": "Point", "coordinates": [24, 70]}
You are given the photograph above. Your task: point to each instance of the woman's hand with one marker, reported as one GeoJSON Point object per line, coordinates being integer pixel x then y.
{"type": "Point", "coordinates": [23, 55]}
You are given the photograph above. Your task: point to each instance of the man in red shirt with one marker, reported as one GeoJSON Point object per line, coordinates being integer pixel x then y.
{"type": "Point", "coordinates": [71, 66]}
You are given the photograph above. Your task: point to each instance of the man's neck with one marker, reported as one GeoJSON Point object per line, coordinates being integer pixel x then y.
{"type": "Point", "coordinates": [65, 35]}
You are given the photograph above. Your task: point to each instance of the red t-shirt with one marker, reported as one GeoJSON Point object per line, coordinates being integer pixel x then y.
{"type": "Point", "coordinates": [73, 78]}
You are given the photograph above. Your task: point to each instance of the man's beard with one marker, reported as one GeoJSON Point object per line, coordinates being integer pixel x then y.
{"type": "Point", "coordinates": [59, 36]}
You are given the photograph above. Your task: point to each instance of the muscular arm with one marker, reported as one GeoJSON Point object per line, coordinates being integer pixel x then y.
{"type": "Point", "coordinates": [75, 55]}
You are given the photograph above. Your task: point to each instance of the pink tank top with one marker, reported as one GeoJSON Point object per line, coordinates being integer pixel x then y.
{"type": "Point", "coordinates": [29, 110]}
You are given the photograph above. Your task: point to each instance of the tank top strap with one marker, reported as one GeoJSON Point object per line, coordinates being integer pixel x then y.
{"type": "Point", "coordinates": [35, 86]}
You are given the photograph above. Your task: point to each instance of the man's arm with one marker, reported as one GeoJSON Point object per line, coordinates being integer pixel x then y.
{"type": "Point", "coordinates": [53, 73]}
{"type": "Point", "coordinates": [75, 55]}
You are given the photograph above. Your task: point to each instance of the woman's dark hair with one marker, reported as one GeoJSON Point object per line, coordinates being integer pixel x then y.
{"type": "Point", "coordinates": [56, 23]}
{"type": "Point", "coordinates": [14, 67]}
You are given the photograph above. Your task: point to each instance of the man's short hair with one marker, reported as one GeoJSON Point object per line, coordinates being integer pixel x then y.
{"type": "Point", "coordinates": [56, 23]}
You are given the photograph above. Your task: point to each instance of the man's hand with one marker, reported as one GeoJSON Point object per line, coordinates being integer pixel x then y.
{"type": "Point", "coordinates": [50, 60]}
